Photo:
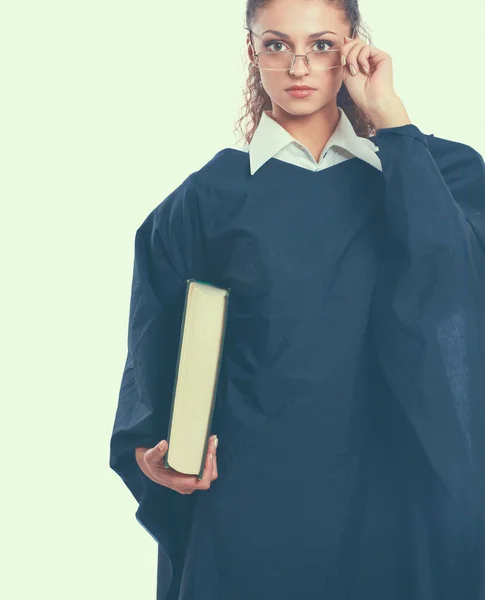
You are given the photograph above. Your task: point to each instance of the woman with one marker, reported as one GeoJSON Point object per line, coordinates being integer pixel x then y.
{"type": "Point", "coordinates": [350, 404]}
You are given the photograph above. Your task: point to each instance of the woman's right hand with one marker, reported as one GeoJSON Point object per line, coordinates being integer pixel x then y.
{"type": "Point", "coordinates": [150, 461]}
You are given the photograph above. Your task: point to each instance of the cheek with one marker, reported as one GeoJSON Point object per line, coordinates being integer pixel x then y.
{"type": "Point", "coordinates": [273, 81]}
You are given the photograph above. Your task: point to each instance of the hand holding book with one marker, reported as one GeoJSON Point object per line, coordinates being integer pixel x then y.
{"type": "Point", "coordinates": [151, 462]}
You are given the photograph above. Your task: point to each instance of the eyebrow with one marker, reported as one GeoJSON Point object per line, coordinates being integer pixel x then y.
{"type": "Point", "coordinates": [287, 37]}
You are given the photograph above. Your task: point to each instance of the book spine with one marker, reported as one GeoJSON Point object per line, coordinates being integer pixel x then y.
{"type": "Point", "coordinates": [216, 384]}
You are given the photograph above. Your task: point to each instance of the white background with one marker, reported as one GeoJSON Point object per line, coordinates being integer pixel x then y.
{"type": "Point", "coordinates": [105, 108]}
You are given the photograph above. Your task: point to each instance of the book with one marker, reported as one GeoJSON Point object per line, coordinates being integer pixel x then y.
{"type": "Point", "coordinates": [199, 358]}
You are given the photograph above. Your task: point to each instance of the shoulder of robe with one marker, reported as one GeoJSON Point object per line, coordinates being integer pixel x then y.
{"type": "Point", "coordinates": [199, 190]}
{"type": "Point", "coordinates": [227, 169]}
{"type": "Point", "coordinates": [456, 158]}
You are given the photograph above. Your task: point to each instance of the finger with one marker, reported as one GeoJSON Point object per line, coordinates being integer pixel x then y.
{"type": "Point", "coordinates": [377, 56]}
{"type": "Point", "coordinates": [154, 456]}
{"type": "Point", "coordinates": [352, 54]}
{"type": "Point", "coordinates": [204, 483]}
{"type": "Point", "coordinates": [215, 473]}
{"type": "Point", "coordinates": [345, 48]}
{"type": "Point", "coordinates": [349, 43]}
{"type": "Point", "coordinates": [362, 59]}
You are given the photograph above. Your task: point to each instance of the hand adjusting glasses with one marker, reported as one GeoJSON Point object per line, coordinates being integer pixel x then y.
{"type": "Point", "coordinates": [328, 57]}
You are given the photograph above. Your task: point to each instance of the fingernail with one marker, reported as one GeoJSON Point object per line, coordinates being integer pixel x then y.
{"type": "Point", "coordinates": [344, 60]}
{"type": "Point", "coordinates": [210, 456]}
{"type": "Point", "coordinates": [353, 70]}
{"type": "Point", "coordinates": [216, 442]}
{"type": "Point", "coordinates": [366, 69]}
{"type": "Point", "coordinates": [347, 39]}
{"type": "Point", "coordinates": [161, 445]}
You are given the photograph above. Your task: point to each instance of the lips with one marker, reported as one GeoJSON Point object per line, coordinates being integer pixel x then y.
{"type": "Point", "coordinates": [299, 87]}
{"type": "Point", "coordinates": [305, 92]}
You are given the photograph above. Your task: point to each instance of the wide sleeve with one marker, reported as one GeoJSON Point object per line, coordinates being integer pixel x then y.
{"type": "Point", "coordinates": [428, 309]}
{"type": "Point", "coordinates": [165, 256]}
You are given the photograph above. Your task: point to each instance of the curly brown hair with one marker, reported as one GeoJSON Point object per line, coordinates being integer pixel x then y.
{"type": "Point", "coordinates": [256, 98]}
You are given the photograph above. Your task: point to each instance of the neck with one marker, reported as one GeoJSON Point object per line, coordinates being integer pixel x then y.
{"type": "Point", "coordinates": [313, 131]}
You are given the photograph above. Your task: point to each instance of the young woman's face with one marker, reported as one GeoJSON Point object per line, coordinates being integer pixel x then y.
{"type": "Point", "coordinates": [298, 19]}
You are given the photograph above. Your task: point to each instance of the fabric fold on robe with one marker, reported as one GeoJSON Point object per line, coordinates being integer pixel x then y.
{"type": "Point", "coordinates": [161, 264]}
{"type": "Point", "coordinates": [428, 311]}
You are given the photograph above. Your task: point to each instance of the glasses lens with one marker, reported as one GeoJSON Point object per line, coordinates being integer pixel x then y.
{"type": "Point", "coordinates": [325, 56]}
{"type": "Point", "coordinates": [325, 60]}
{"type": "Point", "coordinates": [275, 60]}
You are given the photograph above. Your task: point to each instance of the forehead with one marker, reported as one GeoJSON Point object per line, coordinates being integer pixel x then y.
{"type": "Point", "coordinates": [299, 18]}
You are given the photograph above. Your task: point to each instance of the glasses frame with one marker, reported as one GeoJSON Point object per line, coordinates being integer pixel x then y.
{"type": "Point", "coordinates": [295, 56]}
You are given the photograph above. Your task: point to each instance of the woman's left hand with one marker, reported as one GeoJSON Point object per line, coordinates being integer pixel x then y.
{"type": "Point", "coordinates": [375, 90]}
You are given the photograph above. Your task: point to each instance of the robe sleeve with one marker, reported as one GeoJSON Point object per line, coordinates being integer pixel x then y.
{"type": "Point", "coordinates": [165, 254]}
{"type": "Point", "coordinates": [428, 309]}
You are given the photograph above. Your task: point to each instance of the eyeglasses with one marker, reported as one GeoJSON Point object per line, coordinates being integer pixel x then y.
{"type": "Point", "coordinates": [319, 60]}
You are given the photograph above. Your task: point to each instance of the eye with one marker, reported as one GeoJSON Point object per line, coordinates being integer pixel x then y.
{"type": "Point", "coordinates": [330, 44]}
{"type": "Point", "coordinates": [271, 42]}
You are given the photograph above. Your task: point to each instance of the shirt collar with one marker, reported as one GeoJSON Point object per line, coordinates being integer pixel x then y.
{"type": "Point", "coordinates": [270, 137]}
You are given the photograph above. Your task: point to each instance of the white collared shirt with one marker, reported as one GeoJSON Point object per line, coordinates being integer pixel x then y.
{"type": "Point", "coordinates": [271, 140]}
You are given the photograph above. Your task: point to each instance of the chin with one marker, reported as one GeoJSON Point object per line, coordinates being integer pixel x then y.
{"type": "Point", "coordinates": [303, 106]}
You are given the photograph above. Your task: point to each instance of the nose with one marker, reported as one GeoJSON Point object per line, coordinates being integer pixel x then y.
{"type": "Point", "coordinates": [299, 66]}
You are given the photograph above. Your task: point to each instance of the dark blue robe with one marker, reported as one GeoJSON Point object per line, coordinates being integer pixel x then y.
{"type": "Point", "coordinates": [350, 407]}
